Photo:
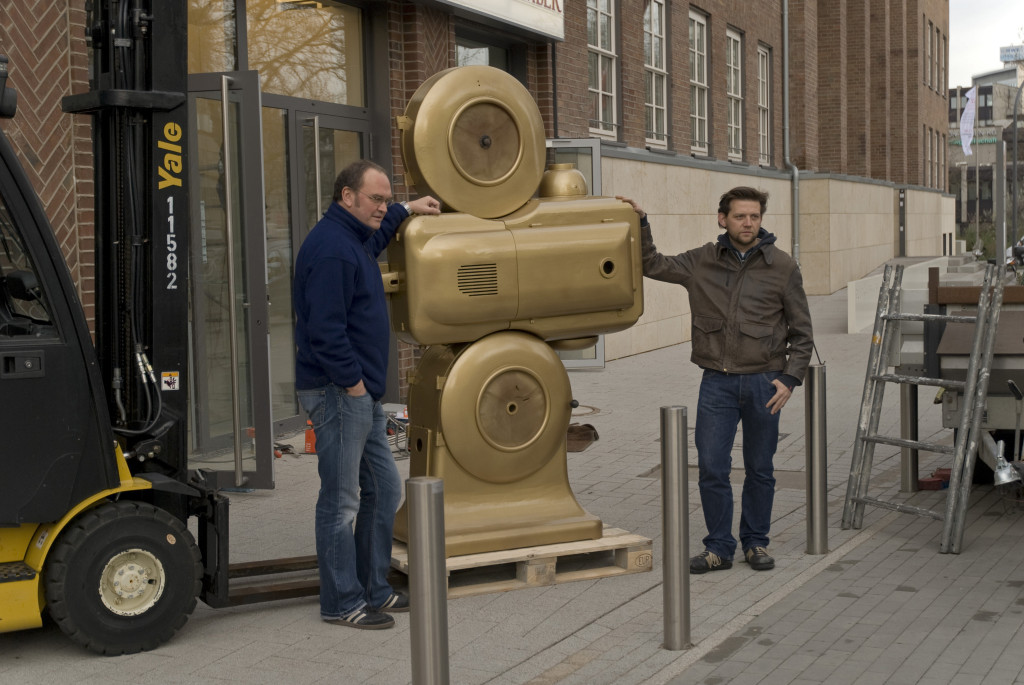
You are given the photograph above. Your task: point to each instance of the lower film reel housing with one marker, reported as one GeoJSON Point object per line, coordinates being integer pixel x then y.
{"type": "Point", "coordinates": [491, 288]}
{"type": "Point", "coordinates": [495, 432]}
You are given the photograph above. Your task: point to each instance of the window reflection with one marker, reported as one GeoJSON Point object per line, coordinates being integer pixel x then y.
{"type": "Point", "coordinates": [309, 50]}
{"type": "Point", "coordinates": [472, 53]}
{"type": "Point", "coordinates": [211, 36]}
{"type": "Point", "coordinates": [23, 307]}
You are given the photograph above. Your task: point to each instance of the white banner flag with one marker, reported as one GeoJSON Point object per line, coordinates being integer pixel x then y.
{"type": "Point", "coordinates": [967, 122]}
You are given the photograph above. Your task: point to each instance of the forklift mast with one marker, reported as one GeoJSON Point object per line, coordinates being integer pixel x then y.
{"type": "Point", "coordinates": [140, 140]}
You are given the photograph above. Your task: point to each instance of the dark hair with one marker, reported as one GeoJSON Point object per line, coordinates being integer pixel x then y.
{"type": "Point", "coordinates": [742, 193]}
{"type": "Point", "coordinates": [352, 176]}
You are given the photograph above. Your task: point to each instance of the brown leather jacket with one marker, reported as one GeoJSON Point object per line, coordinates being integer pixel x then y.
{"type": "Point", "coordinates": [748, 317]}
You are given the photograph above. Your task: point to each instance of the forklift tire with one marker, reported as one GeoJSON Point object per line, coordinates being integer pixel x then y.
{"type": "Point", "coordinates": [123, 578]}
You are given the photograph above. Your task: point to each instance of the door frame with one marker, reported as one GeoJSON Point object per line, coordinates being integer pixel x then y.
{"type": "Point", "coordinates": [251, 220]}
{"type": "Point", "coordinates": [334, 116]}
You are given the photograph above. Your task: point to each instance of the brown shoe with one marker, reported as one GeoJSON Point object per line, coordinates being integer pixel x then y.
{"type": "Point", "coordinates": [709, 561]}
{"type": "Point", "coordinates": [759, 559]}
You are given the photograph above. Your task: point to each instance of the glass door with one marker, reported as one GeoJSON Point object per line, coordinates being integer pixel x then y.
{"type": "Point", "coordinates": [229, 421]}
{"type": "Point", "coordinates": [328, 144]}
{"type": "Point", "coordinates": [303, 152]}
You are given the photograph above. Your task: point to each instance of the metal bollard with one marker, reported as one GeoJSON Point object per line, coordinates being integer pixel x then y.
{"type": "Point", "coordinates": [908, 431]}
{"type": "Point", "coordinates": [675, 528]}
{"type": "Point", "coordinates": [816, 439]}
{"type": "Point", "coordinates": [428, 582]}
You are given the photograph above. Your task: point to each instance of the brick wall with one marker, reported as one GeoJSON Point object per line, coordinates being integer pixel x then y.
{"type": "Point", "coordinates": [571, 97]}
{"type": "Point", "coordinates": [543, 76]}
{"type": "Point", "coordinates": [858, 102]}
{"type": "Point", "coordinates": [833, 99]}
{"type": "Point", "coordinates": [881, 62]}
{"type": "Point", "coordinates": [859, 80]}
{"type": "Point", "coordinates": [759, 24]}
{"type": "Point", "coordinates": [632, 109]}
{"type": "Point", "coordinates": [932, 105]}
{"type": "Point", "coordinates": [421, 42]}
{"type": "Point", "coordinates": [45, 43]}
{"type": "Point", "coordinates": [804, 83]}
{"type": "Point", "coordinates": [680, 125]}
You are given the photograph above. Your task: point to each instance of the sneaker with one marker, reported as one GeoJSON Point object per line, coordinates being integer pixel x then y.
{"type": "Point", "coordinates": [759, 559]}
{"type": "Point", "coordinates": [708, 561]}
{"type": "Point", "coordinates": [398, 601]}
{"type": "Point", "coordinates": [364, 618]}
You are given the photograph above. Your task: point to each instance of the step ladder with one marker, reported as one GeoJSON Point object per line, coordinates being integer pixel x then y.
{"type": "Point", "coordinates": [973, 389]}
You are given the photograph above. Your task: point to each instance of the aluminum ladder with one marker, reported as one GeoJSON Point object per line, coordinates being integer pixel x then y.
{"type": "Point", "coordinates": [974, 390]}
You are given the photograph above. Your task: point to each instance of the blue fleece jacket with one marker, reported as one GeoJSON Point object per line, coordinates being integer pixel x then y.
{"type": "Point", "coordinates": [341, 316]}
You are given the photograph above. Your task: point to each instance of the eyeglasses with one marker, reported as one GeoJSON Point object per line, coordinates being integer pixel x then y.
{"type": "Point", "coordinates": [377, 199]}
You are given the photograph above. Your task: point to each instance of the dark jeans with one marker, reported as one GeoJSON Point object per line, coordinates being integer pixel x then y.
{"type": "Point", "coordinates": [360, 485]}
{"type": "Point", "coordinates": [725, 401]}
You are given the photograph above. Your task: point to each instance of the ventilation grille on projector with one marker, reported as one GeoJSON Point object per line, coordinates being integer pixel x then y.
{"type": "Point", "coordinates": [478, 279]}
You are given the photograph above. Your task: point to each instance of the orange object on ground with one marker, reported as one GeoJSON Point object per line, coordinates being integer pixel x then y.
{"type": "Point", "coordinates": [310, 439]}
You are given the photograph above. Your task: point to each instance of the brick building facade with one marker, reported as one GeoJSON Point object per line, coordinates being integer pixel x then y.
{"type": "Point", "coordinates": [862, 87]}
{"type": "Point", "coordinates": [685, 100]}
{"type": "Point", "coordinates": [45, 43]}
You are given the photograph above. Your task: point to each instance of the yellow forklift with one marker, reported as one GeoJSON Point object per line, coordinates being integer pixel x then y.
{"type": "Point", "coordinates": [95, 489]}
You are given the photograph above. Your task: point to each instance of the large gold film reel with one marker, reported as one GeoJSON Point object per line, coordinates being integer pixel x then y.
{"type": "Point", "coordinates": [505, 406]}
{"type": "Point", "coordinates": [490, 420]}
{"type": "Point", "coordinates": [474, 138]}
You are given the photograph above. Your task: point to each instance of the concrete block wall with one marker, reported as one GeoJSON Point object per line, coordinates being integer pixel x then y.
{"type": "Point", "coordinates": [846, 230]}
{"type": "Point", "coordinates": [929, 215]}
{"type": "Point", "coordinates": [862, 297]}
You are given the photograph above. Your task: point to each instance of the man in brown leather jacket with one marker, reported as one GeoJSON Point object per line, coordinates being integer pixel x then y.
{"type": "Point", "coordinates": [752, 336]}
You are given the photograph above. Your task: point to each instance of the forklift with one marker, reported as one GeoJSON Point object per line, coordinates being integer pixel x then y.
{"type": "Point", "coordinates": [95, 489]}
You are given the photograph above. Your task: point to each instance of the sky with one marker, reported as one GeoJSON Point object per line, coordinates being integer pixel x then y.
{"type": "Point", "coordinates": [977, 29]}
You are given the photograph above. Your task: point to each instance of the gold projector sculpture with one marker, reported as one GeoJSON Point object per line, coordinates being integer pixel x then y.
{"type": "Point", "coordinates": [522, 263]}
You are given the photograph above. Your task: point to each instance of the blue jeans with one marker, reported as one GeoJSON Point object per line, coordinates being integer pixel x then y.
{"type": "Point", "coordinates": [726, 400]}
{"type": "Point", "coordinates": [360, 485]}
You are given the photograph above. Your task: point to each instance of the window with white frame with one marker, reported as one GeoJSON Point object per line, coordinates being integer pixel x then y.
{"type": "Point", "coordinates": [928, 54]}
{"type": "Point", "coordinates": [942, 68]}
{"type": "Point", "coordinates": [943, 171]}
{"type": "Point", "coordinates": [764, 111]}
{"type": "Point", "coordinates": [699, 82]}
{"type": "Point", "coordinates": [928, 158]}
{"type": "Point", "coordinates": [734, 92]}
{"type": "Point", "coordinates": [601, 56]}
{"type": "Point", "coordinates": [655, 74]}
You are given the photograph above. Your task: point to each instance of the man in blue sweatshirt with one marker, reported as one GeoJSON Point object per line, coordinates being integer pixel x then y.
{"type": "Point", "coordinates": [341, 361]}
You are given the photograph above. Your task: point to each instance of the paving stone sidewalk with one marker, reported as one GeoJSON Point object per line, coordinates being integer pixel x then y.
{"type": "Point", "coordinates": [882, 606]}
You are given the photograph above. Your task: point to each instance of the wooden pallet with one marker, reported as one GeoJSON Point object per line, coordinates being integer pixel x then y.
{"type": "Point", "coordinates": [616, 553]}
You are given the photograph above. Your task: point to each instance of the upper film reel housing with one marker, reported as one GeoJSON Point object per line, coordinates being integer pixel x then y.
{"type": "Point", "coordinates": [473, 138]}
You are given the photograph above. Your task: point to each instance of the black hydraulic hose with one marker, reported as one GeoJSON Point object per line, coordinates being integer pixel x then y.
{"type": "Point", "coordinates": [134, 299]}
